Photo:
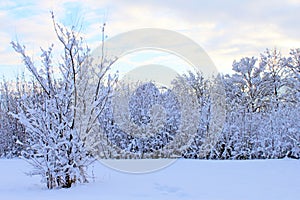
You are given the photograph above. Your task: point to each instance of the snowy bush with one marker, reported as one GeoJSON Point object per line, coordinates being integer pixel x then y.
{"type": "Point", "coordinates": [52, 111]}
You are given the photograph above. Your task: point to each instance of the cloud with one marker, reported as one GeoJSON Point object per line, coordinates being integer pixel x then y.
{"type": "Point", "coordinates": [227, 30]}
{"type": "Point", "coordinates": [243, 28]}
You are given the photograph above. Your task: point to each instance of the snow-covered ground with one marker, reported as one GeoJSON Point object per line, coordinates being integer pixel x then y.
{"type": "Point", "coordinates": [185, 179]}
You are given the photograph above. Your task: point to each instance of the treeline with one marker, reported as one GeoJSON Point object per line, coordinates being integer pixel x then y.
{"type": "Point", "coordinates": [261, 104]}
{"type": "Point", "coordinates": [257, 118]}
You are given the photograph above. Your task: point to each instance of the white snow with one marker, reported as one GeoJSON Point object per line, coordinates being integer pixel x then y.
{"type": "Point", "coordinates": [185, 179]}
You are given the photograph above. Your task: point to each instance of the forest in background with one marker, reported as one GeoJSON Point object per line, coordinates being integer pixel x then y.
{"type": "Point", "coordinates": [262, 113]}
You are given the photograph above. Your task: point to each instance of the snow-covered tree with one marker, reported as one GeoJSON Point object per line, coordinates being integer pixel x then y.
{"type": "Point", "coordinates": [52, 111]}
{"type": "Point", "coordinates": [142, 122]}
{"type": "Point", "coordinates": [12, 134]}
{"type": "Point", "coordinates": [201, 88]}
{"type": "Point", "coordinates": [210, 97]}
{"type": "Point", "coordinates": [275, 75]}
{"type": "Point", "coordinates": [246, 95]}
{"type": "Point", "coordinates": [294, 75]}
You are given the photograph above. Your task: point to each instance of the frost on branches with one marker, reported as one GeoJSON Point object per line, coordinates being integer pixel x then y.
{"type": "Point", "coordinates": [145, 120]}
{"type": "Point", "coordinates": [12, 134]}
{"type": "Point", "coordinates": [141, 123]}
{"type": "Point", "coordinates": [51, 110]}
{"type": "Point", "coordinates": [262, 109]}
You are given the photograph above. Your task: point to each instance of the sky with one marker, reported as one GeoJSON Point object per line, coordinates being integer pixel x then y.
{"type": "Point", "coordinates": [226, 30]}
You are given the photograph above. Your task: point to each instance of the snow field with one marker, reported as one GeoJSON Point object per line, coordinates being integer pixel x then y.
{"type": "Point", "coordinates": [185, 179]}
